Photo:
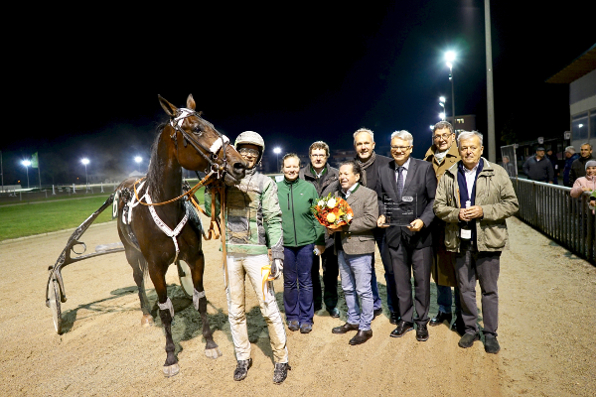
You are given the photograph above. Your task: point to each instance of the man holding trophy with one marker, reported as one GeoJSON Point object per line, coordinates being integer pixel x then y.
{"type": "Point", "coordinates": [406, 193]}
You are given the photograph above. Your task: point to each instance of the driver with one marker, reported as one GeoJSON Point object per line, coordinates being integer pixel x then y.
{"type": "Point", "coordinates": [253, 230]}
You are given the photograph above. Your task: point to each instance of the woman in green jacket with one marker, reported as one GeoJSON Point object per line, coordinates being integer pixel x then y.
{"type": "Point", "coordinates": [301, 232]}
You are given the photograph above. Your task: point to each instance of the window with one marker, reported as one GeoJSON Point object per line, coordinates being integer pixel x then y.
{"type": "Point", "coordinates": [592, 124]}
{"type": "Point", "coordinates": [579, 127]}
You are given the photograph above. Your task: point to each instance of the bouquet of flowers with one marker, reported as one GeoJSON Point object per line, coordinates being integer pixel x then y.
{"type": "Point", "coordinates": [332, 212]}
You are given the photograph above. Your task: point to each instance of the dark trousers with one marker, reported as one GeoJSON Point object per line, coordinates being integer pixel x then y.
{"type": "Point", "coordinates": [389, 279]}
{"type": "Point", "coordinates": [484, 266]}
{"type": "Point", "coordinates": [298, 300]}
{"type": "Point", "coordinates": [330, 275]}
{"type": "Point", "coordinates": [405, 261]}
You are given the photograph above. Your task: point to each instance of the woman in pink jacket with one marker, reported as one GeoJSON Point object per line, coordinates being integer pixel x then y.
{"type": "Point", "coordinates": [585, 183]}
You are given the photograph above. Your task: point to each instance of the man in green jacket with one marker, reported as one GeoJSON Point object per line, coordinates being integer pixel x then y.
{"type": "Point", "coordinates": [474, 198]}
{"type": "Point", "coordinates": [253, 228]}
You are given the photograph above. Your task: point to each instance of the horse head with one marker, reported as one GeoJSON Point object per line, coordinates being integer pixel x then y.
{"type": "Point", "coordinates": [199, 146]}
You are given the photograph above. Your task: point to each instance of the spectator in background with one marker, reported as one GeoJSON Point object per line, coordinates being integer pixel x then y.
{"type": "Point", "coordinates": [585, 183]}
{"type": "Point", "coordinates": [508, 166]}
{"type": "Point", "coordinates": [301, 231]}
{"type": "Point", "coordinates": [555, 162]}
{"type": "Point", "coordinates": [538, 168]}
{"type": "Point", "coordinates": [322, 175]}
{"type": "Point", "coordinates": [578, 167]}
{"type": "Point", "coordinates": [570, 157]}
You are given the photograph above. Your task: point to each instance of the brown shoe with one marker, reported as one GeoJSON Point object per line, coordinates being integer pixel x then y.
{"type": "Point", "coordinates": [342, 329]}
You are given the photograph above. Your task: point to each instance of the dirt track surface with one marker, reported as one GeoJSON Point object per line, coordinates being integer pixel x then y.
{"type": "Point", "coordinates": [547, 319]}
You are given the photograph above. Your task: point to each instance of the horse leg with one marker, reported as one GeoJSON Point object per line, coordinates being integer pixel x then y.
{"type": "Point", "coordinates": [139, 266]}
{"type": "Point", "coordinates": [199, 300]}
{"type": "Point", "coordinates": [166, 313]}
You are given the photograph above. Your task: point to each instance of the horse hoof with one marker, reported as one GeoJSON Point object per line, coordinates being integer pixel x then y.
{"type": "Point", "coordinates": [171, 370]}
{"type": "Point", "coordinates": [147, 320]}
{"type": "Point", "coordinates": [213, 353]}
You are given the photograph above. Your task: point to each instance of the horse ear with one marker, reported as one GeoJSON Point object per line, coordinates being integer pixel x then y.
{"type": "Point", "coordinates": [190, 102]}
{"type": "Point", "coordinates": [170, 109]}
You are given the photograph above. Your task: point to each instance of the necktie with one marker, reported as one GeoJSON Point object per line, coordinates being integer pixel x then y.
{"type": "Point", "coordinates": [400, 182]}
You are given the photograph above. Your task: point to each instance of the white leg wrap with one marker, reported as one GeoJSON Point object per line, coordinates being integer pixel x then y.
{"type": "Point", "coordinates": [196, 295]}
{"type": "Point", "coordinates": [166, 306]}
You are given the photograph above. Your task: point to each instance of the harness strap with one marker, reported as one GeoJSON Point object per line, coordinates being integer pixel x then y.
{"type": "Point", "coordinates": [165, 228]}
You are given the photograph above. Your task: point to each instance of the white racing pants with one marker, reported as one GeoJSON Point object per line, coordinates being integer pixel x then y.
{"type": "Point", "coordinates": [240, 267]}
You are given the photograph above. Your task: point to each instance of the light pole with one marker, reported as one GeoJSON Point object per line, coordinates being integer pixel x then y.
{"type": "Point", "coordinates": [450, 58]}
{"type": "Point", "coordinates": [27, 163]}
{"type": "Point", "coordinates": [85, 161]}
{"type": "Point", "coordinates": [442, 104]}
{"type": "Point", "coordinates": [277, 151]}
{"type": "Point", "coordinates": [138, 160]}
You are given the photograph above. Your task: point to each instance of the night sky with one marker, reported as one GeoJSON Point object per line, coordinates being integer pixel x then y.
{"type": "Point", "coordinates": [295, 73]}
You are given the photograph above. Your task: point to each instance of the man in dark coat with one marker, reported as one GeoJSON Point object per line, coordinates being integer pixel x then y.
{"type": "Point", "coordinates": [539, 168]}
{"type": "Point", "coordinates": [320, 174]}
{"type": "Point", "coordinates": [370, 161]}
{"type": "Point", "coordinates": [578, 167]}
{"type": "Point", "coordinates": [570, 157]}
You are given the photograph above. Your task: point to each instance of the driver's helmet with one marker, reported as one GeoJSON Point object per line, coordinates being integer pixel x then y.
{"type": "Point", "coordinates": [253, 138]}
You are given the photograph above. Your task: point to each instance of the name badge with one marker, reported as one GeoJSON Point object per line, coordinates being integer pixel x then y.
{"type": "Point", "coordinates": [407, 199]}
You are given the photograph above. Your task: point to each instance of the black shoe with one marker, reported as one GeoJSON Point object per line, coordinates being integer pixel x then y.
{"type": "Point", "coordinates": [293, 325]}
{"type": "Point", "coordinates": [377, 312]}
{"type": "Point", "coordinates": [440, 318]}
{"type": "Point", "coordinates": [460, 326]}
{"type": "Point", "coordinates": [334, 312]}
{"type": "Point", "coordinates": [280, 372]}
{"type": "Point", "coordinates": [394, 319]}
{"type": "Point", "coordinates": [305, 328]}
{"type": "Point", "coordinates": [468, 340]}
{"type": "Point", "coordinates": [242, 369]}
{"type": "Point", "coordinates": [361, 337]}
{"type": "Point", "coordinates": [342, 329]}
{"type": "Point", "coordinates": [421, 333]}
{"type": "Point", "coordinates": [491, 344]}
{"type": "Point", "coordinates": [402, 328]}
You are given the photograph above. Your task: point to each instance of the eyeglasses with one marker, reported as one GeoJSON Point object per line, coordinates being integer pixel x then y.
{"type": "Point", "coordinates": [400, 148]}
{"type": "Point", "coordinates": [443, 137]}
{"type": "Point", "coordinates": [318, 155]}
{"type": "Point", "coordinates": [248, 152]}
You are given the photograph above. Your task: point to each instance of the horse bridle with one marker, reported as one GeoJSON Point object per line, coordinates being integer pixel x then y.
{"type": "Point", "coordinates": [217, 167]}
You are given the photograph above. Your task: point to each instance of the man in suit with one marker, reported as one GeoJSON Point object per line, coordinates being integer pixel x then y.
{"type": "Point", "coordinates": [355, 246]}
{"type": "Point", "coordinates": [370, 161]}
{"type": "Point", "coordinates": [406, 192]}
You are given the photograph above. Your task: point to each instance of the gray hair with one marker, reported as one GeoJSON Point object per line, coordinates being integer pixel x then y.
{"type": "Point", "coordinates": [465, 135]}
{"type": "Point", "coordinates": [441, 125]}
{"type": "Point", "coordinates": [405, 135]}
{"type": "Point", "coordinates": [586, 144]}
{"type": "Point", "coordinates": [365, 130]}
{"type": "Point", "coordinates": [570, 149]}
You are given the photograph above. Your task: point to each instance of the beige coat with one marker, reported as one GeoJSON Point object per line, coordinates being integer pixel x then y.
{"type": "Point", "coordinates": [496, 196]}
{"type": "Point", "coordinates": [443, 268]}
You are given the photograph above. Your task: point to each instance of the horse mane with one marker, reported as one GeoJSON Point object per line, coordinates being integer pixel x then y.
{"type": "Point", "coordinates": [156, 166]}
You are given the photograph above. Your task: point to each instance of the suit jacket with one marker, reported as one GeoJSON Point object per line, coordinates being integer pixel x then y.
{"type": "Point", "coordinates": [357, 237]}
{"type": "Point", "coordinates": [421, 183]}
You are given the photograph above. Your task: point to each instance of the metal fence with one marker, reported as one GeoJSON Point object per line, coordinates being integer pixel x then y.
{"type": "Point", "coordinates": [550, 209]}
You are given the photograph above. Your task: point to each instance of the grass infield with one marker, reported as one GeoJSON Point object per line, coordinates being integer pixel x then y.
{"type": "Point", "coordinates": [52, 215]}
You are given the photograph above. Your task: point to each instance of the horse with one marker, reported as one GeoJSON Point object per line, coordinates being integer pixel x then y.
{"type": "Point", "coordinates": [155, 223]}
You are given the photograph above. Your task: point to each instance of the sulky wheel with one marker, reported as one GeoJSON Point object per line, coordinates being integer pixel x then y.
{"type": "Point", "coordinates": [54, 298]}
{"type": "Point", "coordinates": [185, 275]}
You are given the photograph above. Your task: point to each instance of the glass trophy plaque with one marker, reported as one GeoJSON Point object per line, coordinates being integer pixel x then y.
{"type": "Point", "coordinates": [400, 213]}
